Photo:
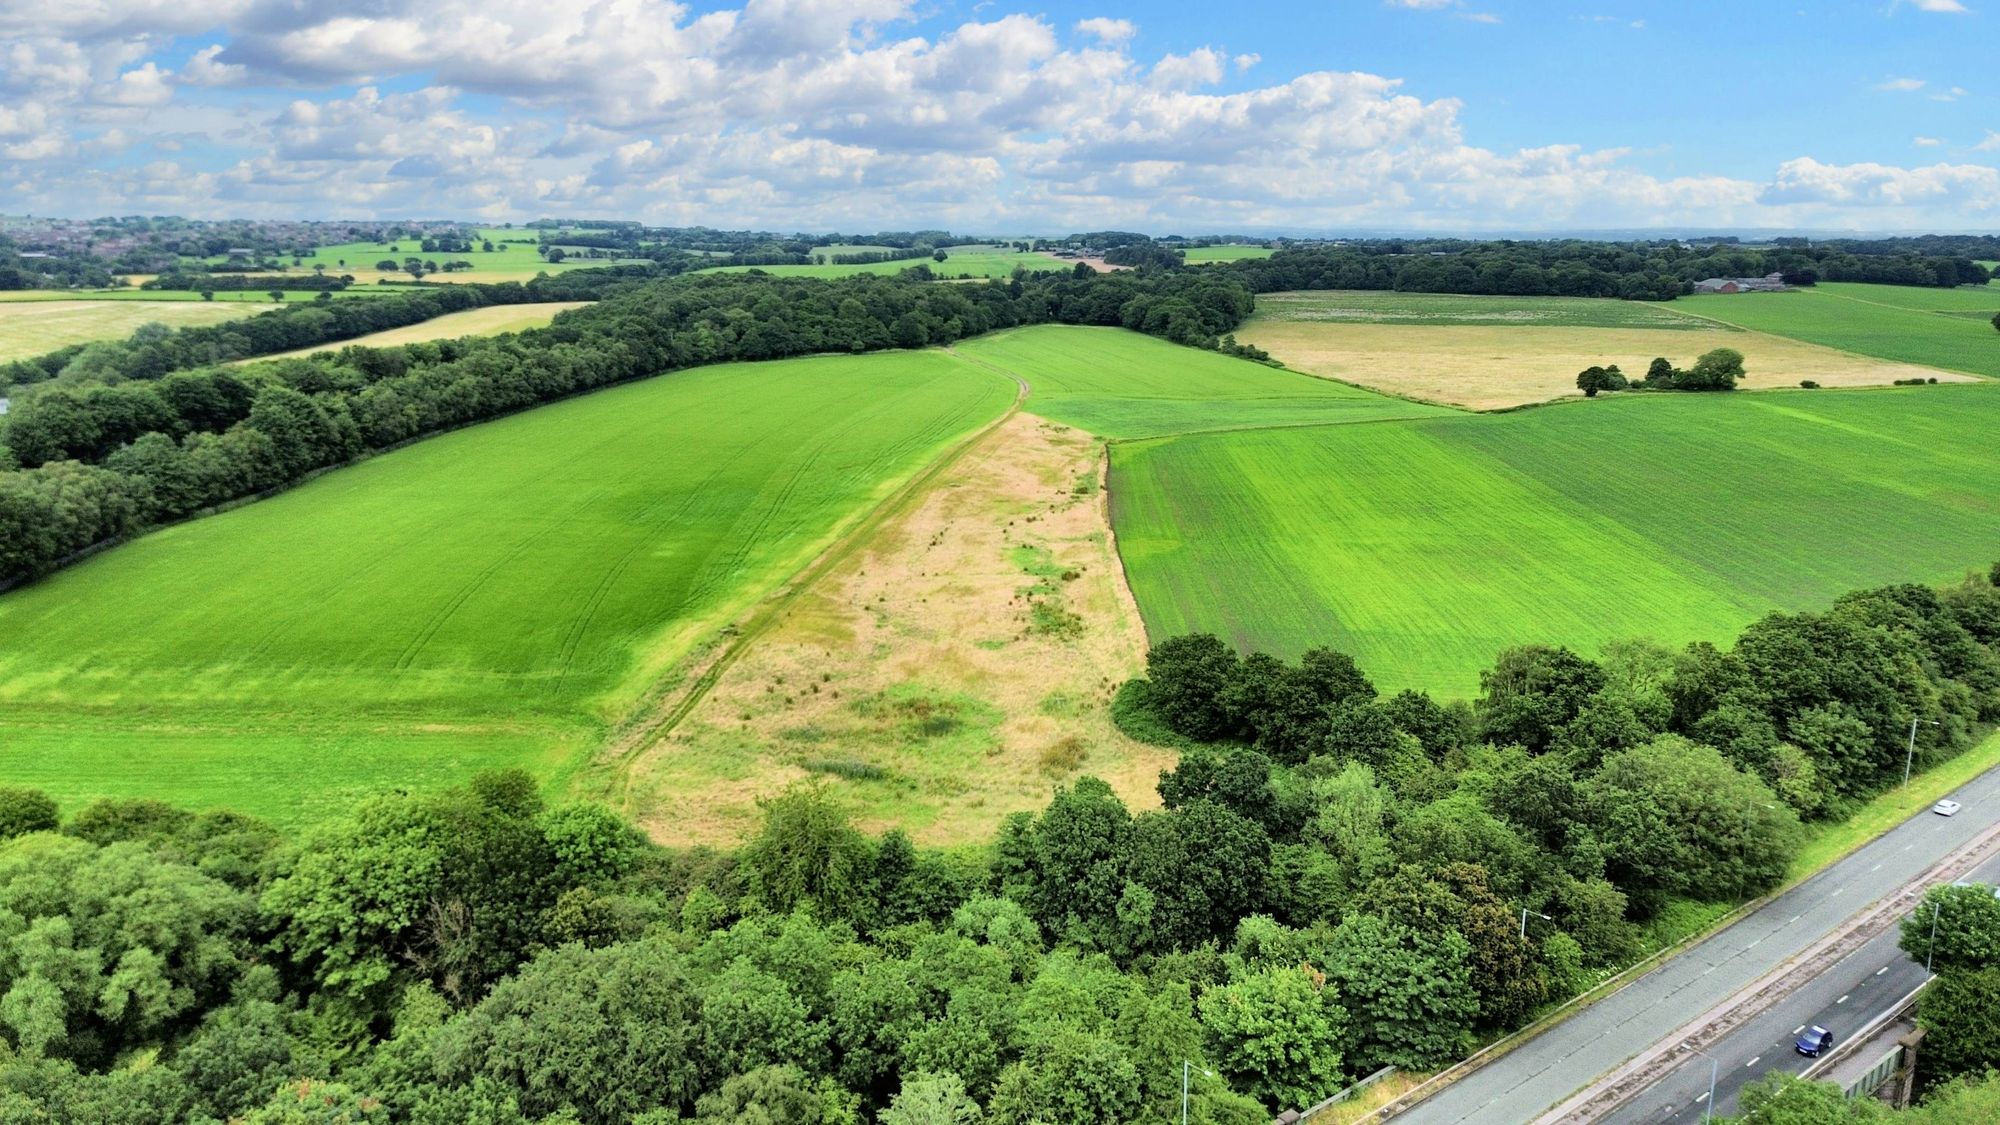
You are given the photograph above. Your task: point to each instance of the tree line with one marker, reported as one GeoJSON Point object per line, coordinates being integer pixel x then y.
{"type": "Point", "coordinates": [132, 434]}
{"type": "Point", "coordinates": [192, 282]}
{"type": "Point", "coordinates": [1334, 882]}
{"type": "Point", "coordinates": [1572, 268]}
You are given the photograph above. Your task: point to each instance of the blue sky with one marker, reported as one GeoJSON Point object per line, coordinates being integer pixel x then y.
{"type": "Point", "coordinates": [991, 115]}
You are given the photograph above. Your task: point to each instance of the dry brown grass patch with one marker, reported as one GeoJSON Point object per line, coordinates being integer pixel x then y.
{"type": "Point", "coordinates": [1489, 367]}
{"type": "Point", "coordinates": [913, 678]}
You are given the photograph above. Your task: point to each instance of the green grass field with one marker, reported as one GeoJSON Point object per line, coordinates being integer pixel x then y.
{"type": "Point", "coordinates": [1424, 547]}
{"type": "Point", "coordinates": [1120, 384]}
{"type": "Point", "coordinates": [497, 595]}
{"type": "Point", "coordinates": [30, 328]}
{"type": "Point", "coordinates": [975, 261]}
{"type": "Point", "coordinates": [1935, 327]}
{"type": "Point", "coordinates": [1341, 306]}
{"type": "Point", "coordinates": [1203, 255]}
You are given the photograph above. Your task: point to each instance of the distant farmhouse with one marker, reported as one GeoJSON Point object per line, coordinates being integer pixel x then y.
{"type": "Point", "coordinates": [1769, 283]}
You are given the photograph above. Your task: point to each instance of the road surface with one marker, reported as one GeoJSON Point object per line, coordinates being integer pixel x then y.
{"type": "Point", "coordinates": [1544, 1071]}
{"type": "Point", "coordinates": [1843, 999]}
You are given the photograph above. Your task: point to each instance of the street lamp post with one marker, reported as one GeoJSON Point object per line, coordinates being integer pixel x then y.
{"type": "Point", "coordinates": [1187, 1072]}
{"type": "Point", "coordinates": [1714, 1067]}
{"type": "Point", "coordinates": [1524, 919]}
{"type": "Point", "coordinates": [1930, 951]}
{"type": "Point", "coordinates": [1910, 755]}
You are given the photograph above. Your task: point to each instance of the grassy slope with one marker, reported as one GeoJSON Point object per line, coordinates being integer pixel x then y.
{"type": "Point", "coordinates": [493, 595]}
{"type": "Point", "coordinates": [1120, 384]}
{"type": "Point", "coordinates": [1946, 328]}
{"type": "Point", "coordinates": [489, 321]}
{"type": "Point", "coordinates": [34, 327]}
{"type": "Point", "coordinates": [1423, 548]}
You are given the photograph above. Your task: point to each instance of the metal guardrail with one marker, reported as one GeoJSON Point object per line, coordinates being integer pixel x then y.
{"type": "Point", "coordinates": [1290, 1116]}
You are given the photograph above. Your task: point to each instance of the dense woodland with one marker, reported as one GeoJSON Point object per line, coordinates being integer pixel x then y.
{"type": "Point", "coordinates": [115, 437]}
{"type": "Point", "coordinates": [1333, 884]}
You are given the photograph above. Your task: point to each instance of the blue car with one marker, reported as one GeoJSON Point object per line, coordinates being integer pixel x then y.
{"type": "Point", "coordinates": [1814, 1040]}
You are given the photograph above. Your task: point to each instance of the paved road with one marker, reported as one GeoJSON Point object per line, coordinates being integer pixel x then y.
{"type": "Point", "coordinates": [1538, 1074]}
{"type": "Point", "coordinates": [1843, 999]}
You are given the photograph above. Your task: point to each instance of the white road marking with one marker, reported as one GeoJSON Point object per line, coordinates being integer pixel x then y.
{"type": "Point", "coordinates": [1798, 1029]}
{"type": "Point", "coordinates": [1877, 867]}
{"type": "Point", "coordinates": [1836, 891]}
{"type": "Point", "coordinates": [1881, 970]}
{"type": "Point", "coordinates": [1701, 1097]}
{"type": "Point", "coordinates": [1754, 1062]}
{"type": "Point", "coordinates": [1842, 1000]}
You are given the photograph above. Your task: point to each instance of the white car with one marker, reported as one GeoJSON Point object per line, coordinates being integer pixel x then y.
{"type": "Point", "coordinates": [1946, 808]}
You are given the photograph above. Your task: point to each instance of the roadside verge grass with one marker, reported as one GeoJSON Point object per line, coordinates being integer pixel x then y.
{"type": "Point", "coordinates": [1826, 843]}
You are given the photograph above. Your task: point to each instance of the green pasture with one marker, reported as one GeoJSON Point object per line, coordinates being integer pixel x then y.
{"type": "Point", "coordinates": [497, 595]}
{"type": "Point", "coordinates": [1948, 328]}
{"type": "Point", "coordinates": [1203, 255]}
{"type": "Point", "coordinates": [1424, 547]}
{"type": "Point", "coordinates": [1120, 384]}
{"type": "Point", "coordinates": [1342, 306]}
{"type": "Point", "coordinates": [974, 261]}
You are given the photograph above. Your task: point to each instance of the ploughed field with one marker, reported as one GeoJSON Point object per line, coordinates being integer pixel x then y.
{"type": "Point", "coordinates": [498, 595]}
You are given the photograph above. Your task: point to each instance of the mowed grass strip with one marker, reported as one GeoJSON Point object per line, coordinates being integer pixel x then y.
{"type": "Point", "coordinates": [489, 321]}
{"type": "Point", "coordinates": [530, 575]}
{"type": "Point", "coordinates": [30, 328]}
{"type": "Point", "coordinates": [1423, 548]}
{"type": "Point", "coordinates": [1922, 326]}
{"type": "Point", "coordinates": [1120, 384]}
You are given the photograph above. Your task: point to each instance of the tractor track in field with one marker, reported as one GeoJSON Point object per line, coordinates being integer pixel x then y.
{"type": "Point", "coordinates": [638, 732]}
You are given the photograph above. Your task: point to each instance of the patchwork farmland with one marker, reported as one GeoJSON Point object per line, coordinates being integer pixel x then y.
{"type": "Point", "coordinates": [1278, 509]}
